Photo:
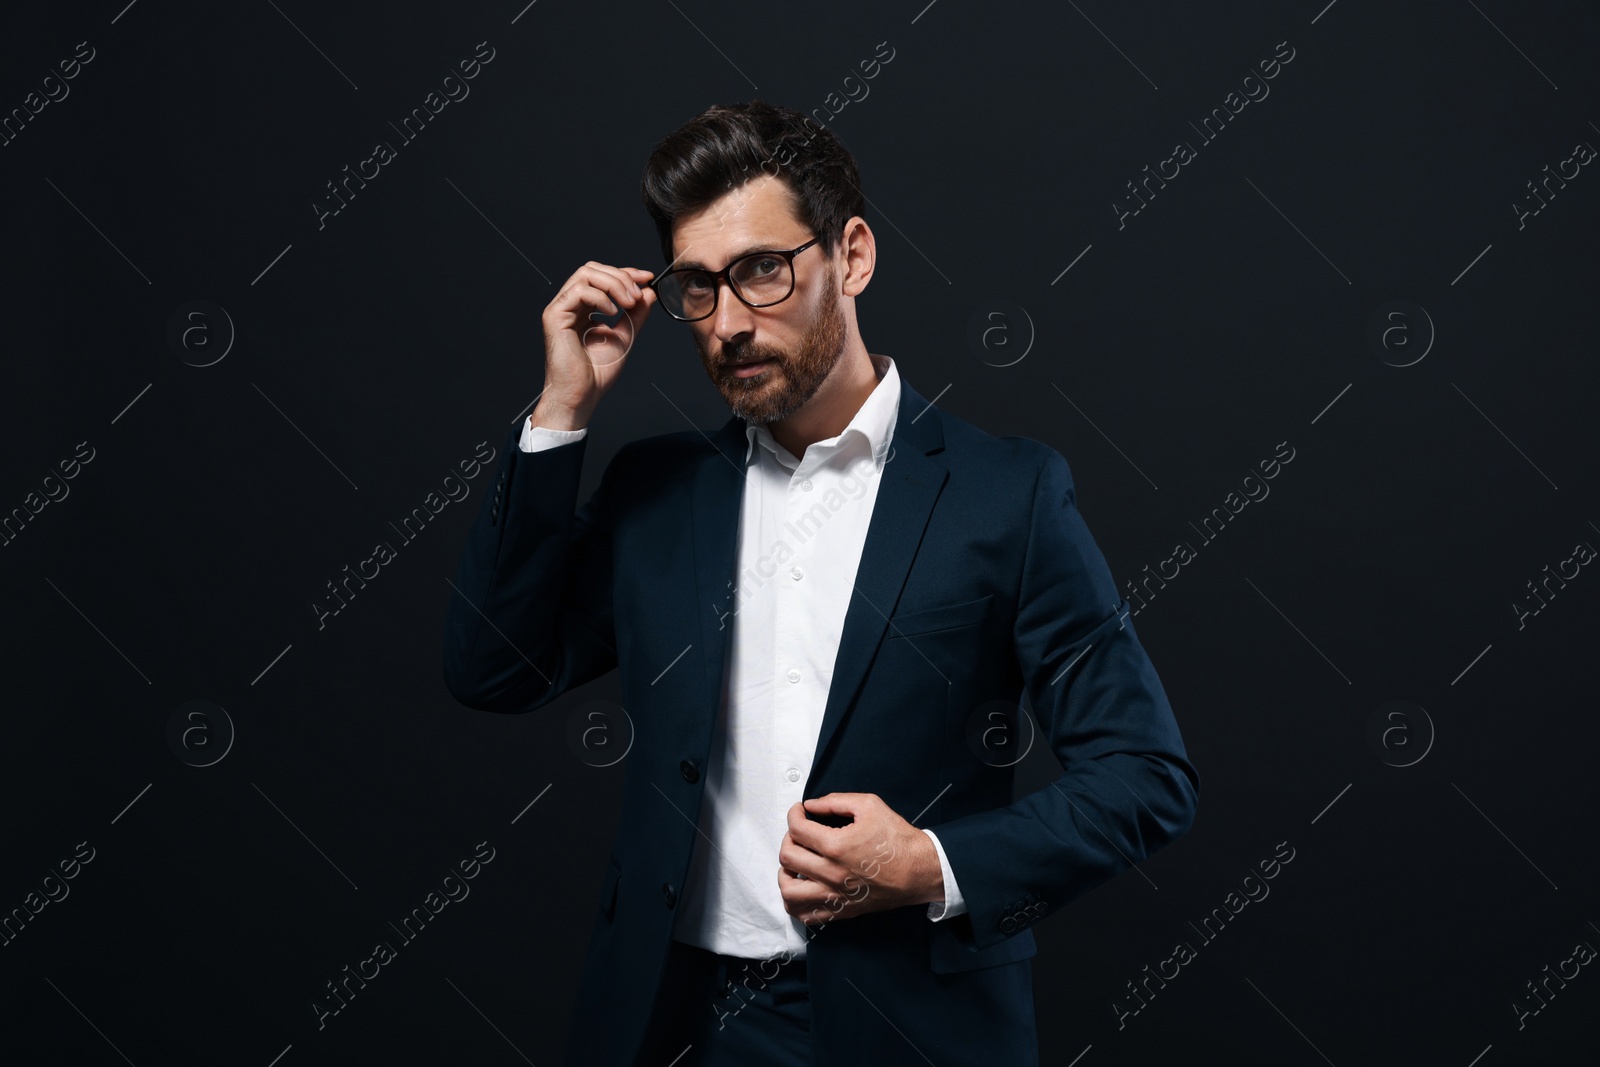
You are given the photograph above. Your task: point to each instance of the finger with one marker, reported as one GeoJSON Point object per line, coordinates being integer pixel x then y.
{"type": "Point", "coordinates": [810, 867]}
{"type": "Point", "coordinates": [574, 303]}
{"type": "Point", "coordinates": [619, 283]}
{"type": "Point", "coordinates": [835, 804]}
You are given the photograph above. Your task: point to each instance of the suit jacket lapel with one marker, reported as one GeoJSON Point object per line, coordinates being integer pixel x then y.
{"type": "Point", "coordinates": [908, 488]}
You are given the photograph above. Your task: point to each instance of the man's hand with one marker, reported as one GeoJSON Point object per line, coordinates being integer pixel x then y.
{"type": "Point", "coordinates": [878, 861]}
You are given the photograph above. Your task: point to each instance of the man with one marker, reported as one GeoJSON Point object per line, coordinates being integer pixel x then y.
{"type": "Point", "coordinates": [824, 615]}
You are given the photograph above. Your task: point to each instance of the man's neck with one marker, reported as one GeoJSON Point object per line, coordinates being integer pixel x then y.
{"type": "Point", "coordinates": [827, 417]}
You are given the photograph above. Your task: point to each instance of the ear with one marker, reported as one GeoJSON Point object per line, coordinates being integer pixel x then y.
{"type": "Point", "coordinates": [860, 252]}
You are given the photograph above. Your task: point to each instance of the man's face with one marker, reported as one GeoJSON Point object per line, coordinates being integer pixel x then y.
{"type": "Point", "coordinates": [797, 342]}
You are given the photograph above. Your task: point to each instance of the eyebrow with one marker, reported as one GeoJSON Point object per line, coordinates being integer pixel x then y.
{"type": "Point", "coordinates": [763, 246]}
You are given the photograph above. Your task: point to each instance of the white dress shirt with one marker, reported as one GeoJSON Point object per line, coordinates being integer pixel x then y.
{"type": "Point", "coordinates": [800, 523]}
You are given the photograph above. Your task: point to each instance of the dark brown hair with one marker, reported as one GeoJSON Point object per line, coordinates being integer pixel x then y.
{"type": "Point", "coordinates": [727, 145]}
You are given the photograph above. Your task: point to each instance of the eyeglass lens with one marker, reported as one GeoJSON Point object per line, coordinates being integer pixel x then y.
{"type": "Point", "coordinates": [762, 278]}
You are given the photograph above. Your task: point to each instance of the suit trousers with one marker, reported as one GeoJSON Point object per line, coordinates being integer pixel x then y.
{"type": "Point", "coordinates": [726, 1011]}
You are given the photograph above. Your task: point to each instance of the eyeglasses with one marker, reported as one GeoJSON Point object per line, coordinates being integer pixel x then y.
{"type": "Point", "coordinates": [759, 279]}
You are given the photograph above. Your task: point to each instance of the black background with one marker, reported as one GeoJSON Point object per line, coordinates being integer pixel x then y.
{"type": "Point", "coordinates": [371, 355]}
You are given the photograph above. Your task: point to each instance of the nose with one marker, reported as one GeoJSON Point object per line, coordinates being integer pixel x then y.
{"type": "Point", "coordinates": [732, 318]}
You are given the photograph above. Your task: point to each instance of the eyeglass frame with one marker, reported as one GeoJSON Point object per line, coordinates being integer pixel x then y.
{"type": "Point", "coordinates": [718, 277]}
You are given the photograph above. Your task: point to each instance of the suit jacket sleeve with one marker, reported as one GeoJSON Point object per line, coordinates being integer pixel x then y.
{"type": "Point", "coordinates": [530, 613]}
{"type": "Point", "coordinates": [1127, 786]}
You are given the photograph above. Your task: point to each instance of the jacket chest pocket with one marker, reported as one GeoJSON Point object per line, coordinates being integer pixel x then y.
{"type": "Point", "coordinates": [942, 617]}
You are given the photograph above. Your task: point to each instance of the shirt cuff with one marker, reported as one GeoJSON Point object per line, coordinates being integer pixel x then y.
{"type": "Point", "coordinates": [539, 438]}
{"type": "Point", "coordinates": [952, 904]}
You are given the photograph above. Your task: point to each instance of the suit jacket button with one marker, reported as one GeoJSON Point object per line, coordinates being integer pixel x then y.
{"type": "Point", "coordinates": [668, 895]}
{"type": "Point", "coordinates": [1008, 924]}
{"type": "Point", "coordinates": [690, 772]}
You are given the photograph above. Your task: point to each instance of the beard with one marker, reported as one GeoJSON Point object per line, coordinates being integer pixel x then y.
{"type": "Point", "coordinates": [790, 380]}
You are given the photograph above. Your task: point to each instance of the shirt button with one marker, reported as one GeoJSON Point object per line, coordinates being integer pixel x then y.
{"type": "Point", "coordinates": [797, 573]}
{"type": "Point", "coordinates": [794, 675]}
{"type": "Point", "coordinates": [794, 775]}
{"type": "Point", "coordinates": [806, 485]}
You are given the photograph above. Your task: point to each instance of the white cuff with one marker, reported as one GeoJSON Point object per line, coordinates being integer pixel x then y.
{"type": "Point", "coordinates": [539, 438]}
{"type": "Point", "coordinates": [952, 904]}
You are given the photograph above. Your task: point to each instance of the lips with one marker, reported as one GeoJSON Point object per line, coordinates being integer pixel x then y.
{"type": "Point", "coordinates": [749, 367]}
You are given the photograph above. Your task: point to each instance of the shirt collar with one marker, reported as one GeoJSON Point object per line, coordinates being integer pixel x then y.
{"type": "Point", "coordinates": [873, 422]}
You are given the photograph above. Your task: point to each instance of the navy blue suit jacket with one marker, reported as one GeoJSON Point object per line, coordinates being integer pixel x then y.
{"type": "Point", "coordinates": [978, 581]}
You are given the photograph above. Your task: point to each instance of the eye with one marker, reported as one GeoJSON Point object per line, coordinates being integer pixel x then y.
{"type": "Point", "coordinates": [765, 265]}
{"type": "Point", "coordinates": [696, 283]}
